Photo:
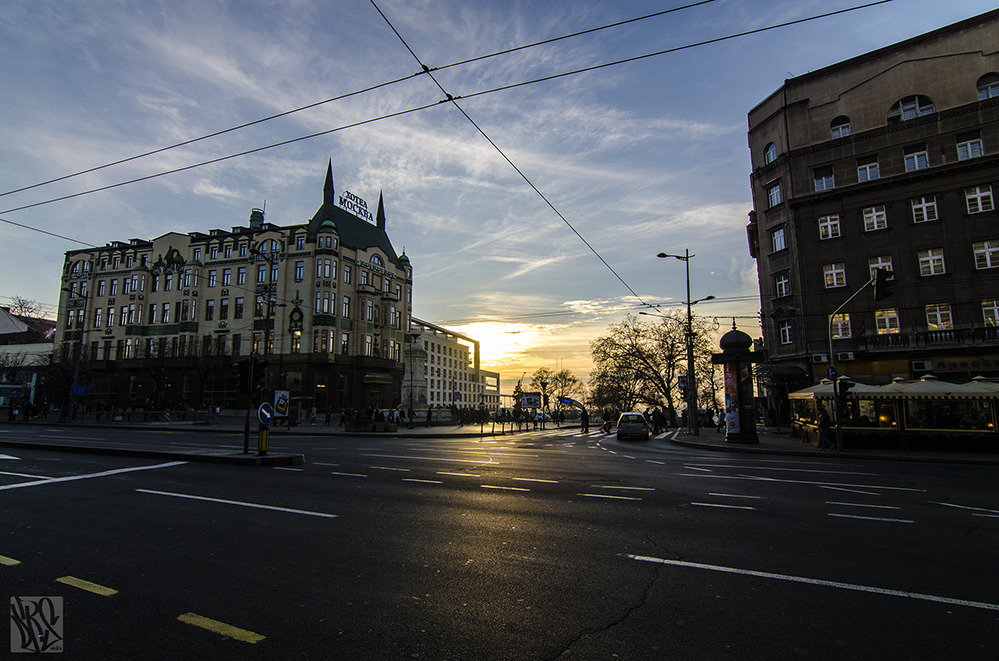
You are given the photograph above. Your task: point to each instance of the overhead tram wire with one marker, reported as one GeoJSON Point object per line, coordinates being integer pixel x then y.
{"type": "Point", "coordinates": [403, 112]}
{"type": "Point", "coordinates": [346, 95]}
{"type": "Point", "coordinates": [505, 157]}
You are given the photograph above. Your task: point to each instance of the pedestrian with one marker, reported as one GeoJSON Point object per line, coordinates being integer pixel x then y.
{"type": "Point", "coordinates": [825, 443]}
{"type": "Point", "coordinates": [720, 421]}
{"type": "Point", "coordinates": [584, 421]}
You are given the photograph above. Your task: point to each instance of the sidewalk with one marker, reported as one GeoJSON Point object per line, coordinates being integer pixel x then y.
{"type": "Point", "coordinates": [772, 441]}
{"type": "Point", "coordinates": [781, 443]}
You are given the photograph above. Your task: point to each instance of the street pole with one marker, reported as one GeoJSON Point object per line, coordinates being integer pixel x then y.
{"type": "Point", "coordinates": [692, 409]}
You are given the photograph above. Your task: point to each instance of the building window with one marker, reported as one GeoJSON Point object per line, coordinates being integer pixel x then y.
{"type": "Point", "coordinates": [211, 278]}
{"type": "Point", "coordinates": [887, 321]}
{"type": "Point", "coordinates": [924, 209]}
{"type": "Point", "coordinates": [916, 158]}
{"type": "Point", "coordinates": [911, 107]}
{"type": "Point", "coordinates": [346, 275]}
{"type": "Point", "coordinates": [979, 199]}
{"type": "Point", "coordinates": [986, 254]}
{"type": "Point", "coordinates": [824, 179]}
{"type": "Point", "coordinates": [835, 275]}
{"type": "Point", "coordinates": [770, 153]}
{"type": "Point", "coordinates": [784, 329]}
{"type": "Point", "coordinates": [114, 288]}
{"type": "Point", "coordinates": [237, 310]}
{"type": "Point", "coordinates": [227, 251]}
{"type": "Point", "coordinates": [990, 312]}
{"type": "Point", "coordinates": [166, 313]}
{"type": "Point", "coordinates": [875, 218]}
{"type": "Point", "coordinates": [323, 268]}
{"type": "Point", "coordinates": [367, 311]}
{"type": "Point", "coordinates": [300, 243]}
{"type": "Point", "coordinates": [777, 241]}
{"type": "Point", "coordinates": [881, 262]}
{"type": "Point", "coordinates": [988, 86]}
{"type": "Point", "coordinates": [970, 149]}
{"type": "Point", "coordinates": [773, 195]}
{"type": "Point", "coordinates": [938, 317]}
{"type": "Point", "coordinates": [241, 275]}
{"type": "Point", "coordinates": [868, 171]}
{"type": "Point", "coordinates": [224, 308]}
{"type": "Point", "coordinates": [261, 273]}
{"type": "Point", "coordinates": [242, 249]}
{"type": "Point", "coordinates": [931, 262]}
{"type": "Point", "coordinates": [829, 227]}
{"type": "Point", "coordinates": [840, 127]}
{"type": "Point", "coordinates": [840, 324]}
{"type": "Point", "coordinates": [344, 343]}
{"type": "Point", "coordinates": [213, 252]}
{"type": "Point", "coordinates": [152, 313]}
{"type": "Point", "coordinates": [167, 282]}
{"type": "Point", "coordinates": [782, 285]}
{"type": "Point", "coordinates": [274, 272]}
{"type": "Point", "coordinates": [210, 310]}
{"type": "Point", "coordinates": [345, 307]}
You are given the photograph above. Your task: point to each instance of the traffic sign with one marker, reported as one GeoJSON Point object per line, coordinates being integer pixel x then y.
{"type": "Point", "coordinates": [831, 373]}
{"type": "Point", "coordinates": [265, 413]}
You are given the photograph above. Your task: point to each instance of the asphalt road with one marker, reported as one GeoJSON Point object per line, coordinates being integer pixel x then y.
{"type": "Point", "coordinates": [539, 546]}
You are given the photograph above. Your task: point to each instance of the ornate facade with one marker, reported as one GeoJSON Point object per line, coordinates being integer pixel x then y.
{"type": "Point", "coordinates": [157, 323]}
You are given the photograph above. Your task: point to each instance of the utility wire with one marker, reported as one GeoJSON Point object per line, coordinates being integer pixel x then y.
{"type": "Point", "coordinates": [350, 94]}
{"type": "Point", "coordinates": [503, 154]}
{"type": "Point", "coordinates": [390, 115]}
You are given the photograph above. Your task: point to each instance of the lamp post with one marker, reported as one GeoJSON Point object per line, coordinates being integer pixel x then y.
{"type": "Point", "coordinates": [692, 409]}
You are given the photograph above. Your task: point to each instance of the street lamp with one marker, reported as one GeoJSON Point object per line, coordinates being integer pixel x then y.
{"type": "Point", "coordinates": [692, 409]}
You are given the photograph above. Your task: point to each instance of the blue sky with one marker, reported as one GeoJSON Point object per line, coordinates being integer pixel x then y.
{"type": "Point", "coordinates": [639, 158]}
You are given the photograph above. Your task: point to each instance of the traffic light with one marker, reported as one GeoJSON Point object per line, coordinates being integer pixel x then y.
{"type": "Point", "coordinates": [242, 368]}
{"type": "Point", "coordinates": [259, 374]}
{"type": "Point", "coordinates": [884, 280]}
{"type": "Point", "coordinates": [681, 383]}
{"type": "Point", "coordinates": [845, 386]}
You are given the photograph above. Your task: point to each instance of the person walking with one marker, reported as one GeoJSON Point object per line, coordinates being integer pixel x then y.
{"type": "Point", "coordinates": [825, 443]}
{"type": "Point", "coordinates": [584, 421]}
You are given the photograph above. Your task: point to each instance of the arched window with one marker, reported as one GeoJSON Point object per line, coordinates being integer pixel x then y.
{"type": "Point", "coordinates": [376, 260]}
{"type": "Point", "coordinates": [840, 127]}
{"type": "Point", "coordinates": [911, 107]}
{"type": "Point", "coordinates": [770, 153]}
{"type": "Point", "coordinates": [988, 86]}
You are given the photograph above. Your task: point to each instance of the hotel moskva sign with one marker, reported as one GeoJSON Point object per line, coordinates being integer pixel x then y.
{"type": "Point", "coordinates": [356, 206]}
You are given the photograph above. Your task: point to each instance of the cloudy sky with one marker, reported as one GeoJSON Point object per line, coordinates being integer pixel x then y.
{"type": "Point", "coordinates": [637, 158]}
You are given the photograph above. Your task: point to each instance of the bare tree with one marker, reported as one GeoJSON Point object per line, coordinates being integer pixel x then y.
{"type": "Point", "coordinates": [24, 307]}
{"type": "Point", "coordinates": [558, 384]}
{"type": "Point", "coordinates": [637, 363]}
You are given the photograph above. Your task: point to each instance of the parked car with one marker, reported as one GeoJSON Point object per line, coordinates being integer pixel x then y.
{"type": "Point", "coordinates": [632, 425]}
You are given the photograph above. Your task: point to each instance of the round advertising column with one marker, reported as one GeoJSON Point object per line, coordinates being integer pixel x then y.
{"type": "Point", "coordinates": [740, 409]}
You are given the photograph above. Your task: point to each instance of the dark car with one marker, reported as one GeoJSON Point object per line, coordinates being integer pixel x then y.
{"type": "Point", "coordinates": [632, 425]}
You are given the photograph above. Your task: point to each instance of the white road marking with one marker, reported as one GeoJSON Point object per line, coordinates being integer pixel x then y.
{"type": "Point", "coordinates": [87, 476]}
{"type": "Point", "coordinates": [460, 461]}
{"type": "Point", "coordinates": [732, 495]}
{"type": "Point", "coordinates": [756, 478]}
{"type": "Point", "coordinates": [389, 468]}
{"type": "Point", "coordinates": [286, 468]}
{"type": "Point", "coordinates": [459, 474]}
{"type": "Point", "coordinates": [534, 479]}
{"type": "Point", "coordinates": [706, 470]}
{"type": "Point", "coordinates": [413, 479]}
{"type": "Point", "coordinates": [880, 507]}
{"type": "Point", "coordinates": [819, 582]}
{"type": "Point", "coordinates": [237, 502]}
{"type": "Point", "coordinates": [493, 486]}
{"type": "Point", "coordinates": [864, 493]}
{"type": "Point", "coordinates": [348, 474]}
{"type": "Point", "coordinates": [870, 518]}
{"type": "Point", "coordinates": [37, 477]}
{"type": "Point", "coordinates": [774, 468]}
{"type": "Point", "coordinates": [8, 456]}
{"type": "Point", "coordinates": [606, 486]}
{"type": "Point", "coordinates": [964, 507]}
{"type": "Point", "coordinates": [607, 496]}
{"type": "Point", "coordinates": [319, 463]}
{"type": "Point", "coordinates": [728, 507]}
{"type": "Point", "coordinates": [653, 461]}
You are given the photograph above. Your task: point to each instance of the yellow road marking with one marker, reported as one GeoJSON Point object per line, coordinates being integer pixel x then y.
{"type": "Point", "coordinates": [221, 627]}
{"type": "Point", "coordinates": [87, 585]}
{"type": "Point", "coordinates": [4, 560]}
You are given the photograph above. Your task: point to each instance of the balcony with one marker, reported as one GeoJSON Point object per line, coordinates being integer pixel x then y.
{"type": "Point", "coordinates": [952, 337]}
